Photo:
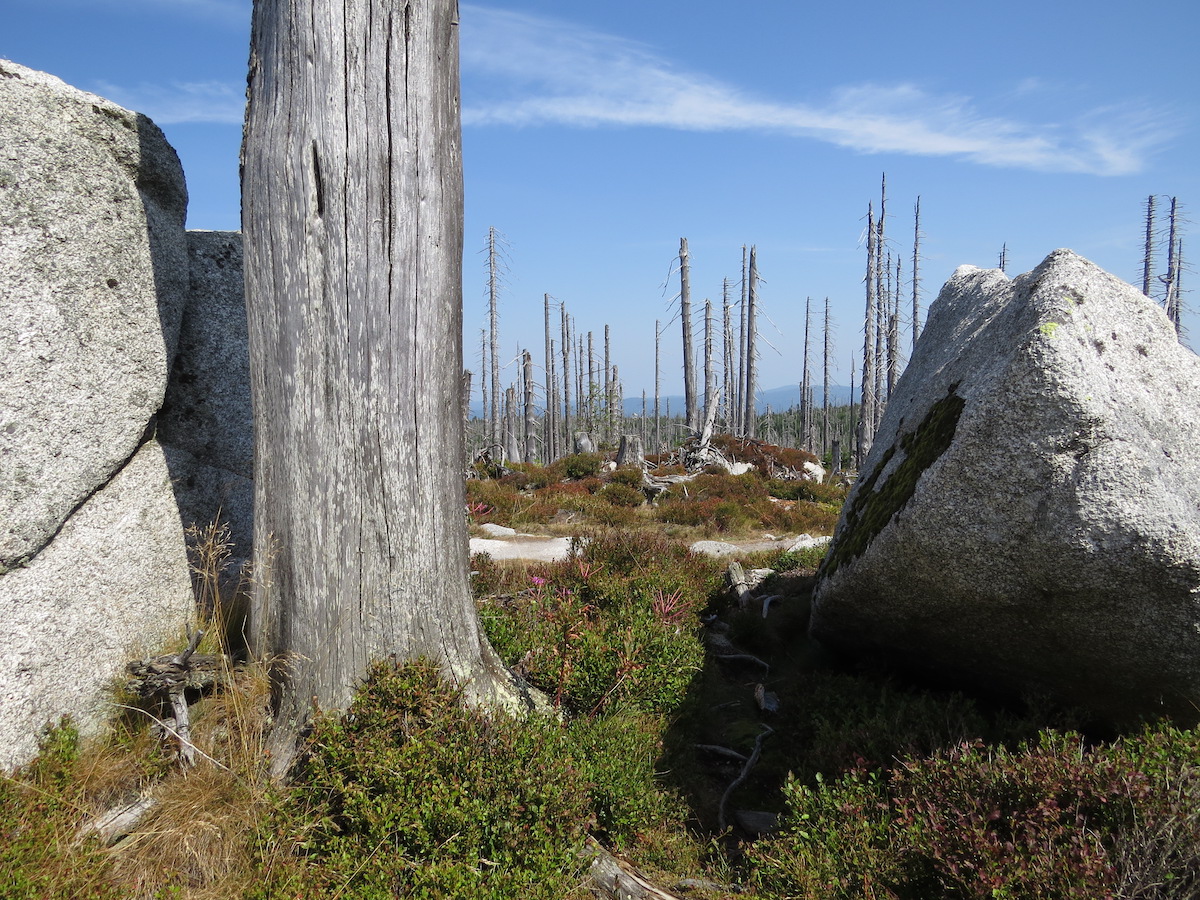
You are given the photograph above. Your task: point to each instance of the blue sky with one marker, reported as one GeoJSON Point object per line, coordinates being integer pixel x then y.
{"type": "Point", "coordinates": [598, 134]}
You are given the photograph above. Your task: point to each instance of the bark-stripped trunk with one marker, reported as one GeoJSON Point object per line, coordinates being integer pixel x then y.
{"type": "Point", "coordinates": [530, 414]}
{"type": "Point", "coordinates": [916, 277]}
{"type": "Point", "coordinates": [689, 363]}
{"type": "Point", "coordinates": [805, 384]}
{"type": "Point", "coordinates": [866, 423]}
{"type": "Point", "coordinates": [825, 436]}
{"type": "Point", "coordinates": [710, 384]}
{"type": "Point", "coordinates": [551, 407]}
{"type": "Point", "coordinates": [751, 430]}
{"type": "Point", "coordinates": [494, 333]}
{"type": "Point", "coordinates": [1148, 258]}
{"type": "Point", "coordinates": [1171, 279]}
{"type": "Point", "coordinates": [608, 388]}
{"type": "Point", "coordinates": [740, 402]}
{"type": "Point", "coordinates": [352, 198]}
{"type": "Point", "coordinates": [566, 374]}
{"type": "Point", "coordinates": [727, 368]}
{"type": "Point", "coordinates": [657, 386]}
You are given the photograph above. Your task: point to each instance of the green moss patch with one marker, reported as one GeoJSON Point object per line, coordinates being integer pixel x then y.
{"type": "Point", "coordinates": [872, 509]}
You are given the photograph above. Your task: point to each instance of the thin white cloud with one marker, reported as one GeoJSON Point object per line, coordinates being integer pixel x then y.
{"type": "Point", "coordinates": [535, 71]}
{"type": "Point", "coordinates": [201, 101]}
{"type": "Point", "coordinates": [229, 12]}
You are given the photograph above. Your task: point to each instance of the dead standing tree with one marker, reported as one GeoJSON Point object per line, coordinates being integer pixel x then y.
{"type": "Point", "coordinates": [494, 334]}
{"type": "Point", "coordinates": [751, 414]}
{"type": "Point", "coordinates": [352, 213]}
{"type": "Point", "coordinates": [691, 414]}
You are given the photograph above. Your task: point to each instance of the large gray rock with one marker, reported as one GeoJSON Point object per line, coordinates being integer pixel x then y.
{"type": "Point", "coordinates": [1029, 515]}
{"type": "Point", "coordinates": [207, 407]}
{"type": "Point", "coordinates": [206, 424]}
{"type": "Point", "coordinates": [111, 587]}
{"type": "Point", "coordinates": [93, 270]}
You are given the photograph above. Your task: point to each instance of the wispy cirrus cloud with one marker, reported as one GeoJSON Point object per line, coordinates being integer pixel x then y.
{"type": "Point", "coordinates": [197, 101]}
{"type": "Point", "coordinates": [229, 12]}
{"type": "Point", "coordinates": [536, 71]}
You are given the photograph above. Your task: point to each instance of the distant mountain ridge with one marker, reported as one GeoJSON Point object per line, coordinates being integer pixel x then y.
{"type": "Point", "coordinates": [779, 399]}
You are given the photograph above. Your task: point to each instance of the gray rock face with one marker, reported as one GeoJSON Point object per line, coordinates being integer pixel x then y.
{"type": "Point", "coordinates": [112, 586]}
{"type": "Point", "coordinates": [206, 424]}
{"type": "Point", "coordinates": [1029, 514]}
{"type": "Point", "coordinates": [207, 407]}
{"type": "Point", "coordinates": [92, 283]}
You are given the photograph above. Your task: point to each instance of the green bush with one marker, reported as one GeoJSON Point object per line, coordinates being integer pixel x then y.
{"type": "Point", "coordinates": [1053, 818]}
{"type": "Point", "coordinates": [582, 465]}
{"type": "Point", "coordinates": [412, 794]}
{"type": "Point", "coordinates": [40, 813]}
{"type": "Point", "coordinates": [811, 491]}
{"type": "Point", "coordinates": [619, 494]}
{"type": "Point", "coordinates": [627, 475]}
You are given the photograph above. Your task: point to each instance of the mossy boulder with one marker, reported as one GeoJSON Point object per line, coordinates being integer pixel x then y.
{"type": "Point", "coordinates": [1028, 518]}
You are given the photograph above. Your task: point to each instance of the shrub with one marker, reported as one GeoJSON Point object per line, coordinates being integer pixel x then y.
{"type": "Point", "coordinates": [627, 475]}
{"type": "Point", "coordinates": [1052, 818]}
{"type": "Point", "coordinates": [803, 489]}
{"type": "Point", "coordinates": [40, 808]}
{"type": "Point", "coordinates": [582, 465]}
{"type": "Point", "coordinates": [620, 494]}
{"type": "Point", "coordinates": [413, 794]}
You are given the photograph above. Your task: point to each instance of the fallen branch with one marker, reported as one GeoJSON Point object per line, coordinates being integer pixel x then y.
{"type": "Point", "coordinates": [118, 821]}
{"type": "Point", "coordinates": [717, 750]}
{"type": "Point", "coordinates": [742, 657]}
{"type": "Point", "coordinates": [614, 879]}
{"type": "Point", "coordinates": [750, 763]}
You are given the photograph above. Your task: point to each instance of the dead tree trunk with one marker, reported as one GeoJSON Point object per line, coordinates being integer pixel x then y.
{"type": "Point", "coordinates": [512, 442]}
{"type": "Point", "coordinates": [566, 373]}
{"type": "Point", "coordinates": [740, 401]}
{"type": "Point", "coordinates": [825, 436]}
{"type": "Point", "coordinates": [355, 312]}
{"type": "Point", "coordinates": [866, 421]}
{"type": "Point", "coordinates": [751, 430]}
{"type": "Point", "coordinates": [689, 363]}
{"type": "Point", "coordinates": [710, 385]}
{"type": "Point", "coordinates": [607, 429]}
{"type": "Point", "coordinates": [880, 303]}
{"type": "Point", "coordinates": [551, 406]}
{"type": "Point", "coordinates": [727, 368]}
{"type": "Point", "coordinates": [530, 412]}
{"type": "Point", "coordinates": [494, 336]}
{"type": "Point", "coordinates": [657, 386]}
{"type": "Point", "coordinates": [1170, 279]}
{"type": "Point", "coordinates": [916, 278]}
{"type": "Point", "coordinates": [1148, 258]}
{"type": "Point", "coordinates": [483, 384]}
{"type": "Point", "coordinates": [805, 439]}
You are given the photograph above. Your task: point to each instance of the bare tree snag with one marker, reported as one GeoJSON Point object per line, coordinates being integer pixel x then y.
{"type": "Point", "coordinates": [727, 391]}
{"type": "Point", "coordinates": [1148, 258]}
{"type": "Point", "coordinates": [806, 384]}
{"type": "Point", "coordinates": [689, 363]}
{"type": "Point", "coordinates": [916, 277]}
{"type": "Point", "coordinates": [657, 386]}
{"type": "Point", "coordinates": [710, 384]}
{"type": "Point", "coordinates": [352, 214]}
{"type": "Point", "coordinates": [866, 419]}
{"type": "Point", "coordinates": [566, 363]}
{"type": "Point", "coordinates": [751, 419]}
{"type": "Point", "coordinates": [551, 407]}
{"type": "Point", "coordinates": [740, 400]}
{"type": "Point", "coordinates": [825, 436]}
{"type": "Point", "coordinates": [530, 417]}
{"type": "Point", "coordinates": [494, 335]}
